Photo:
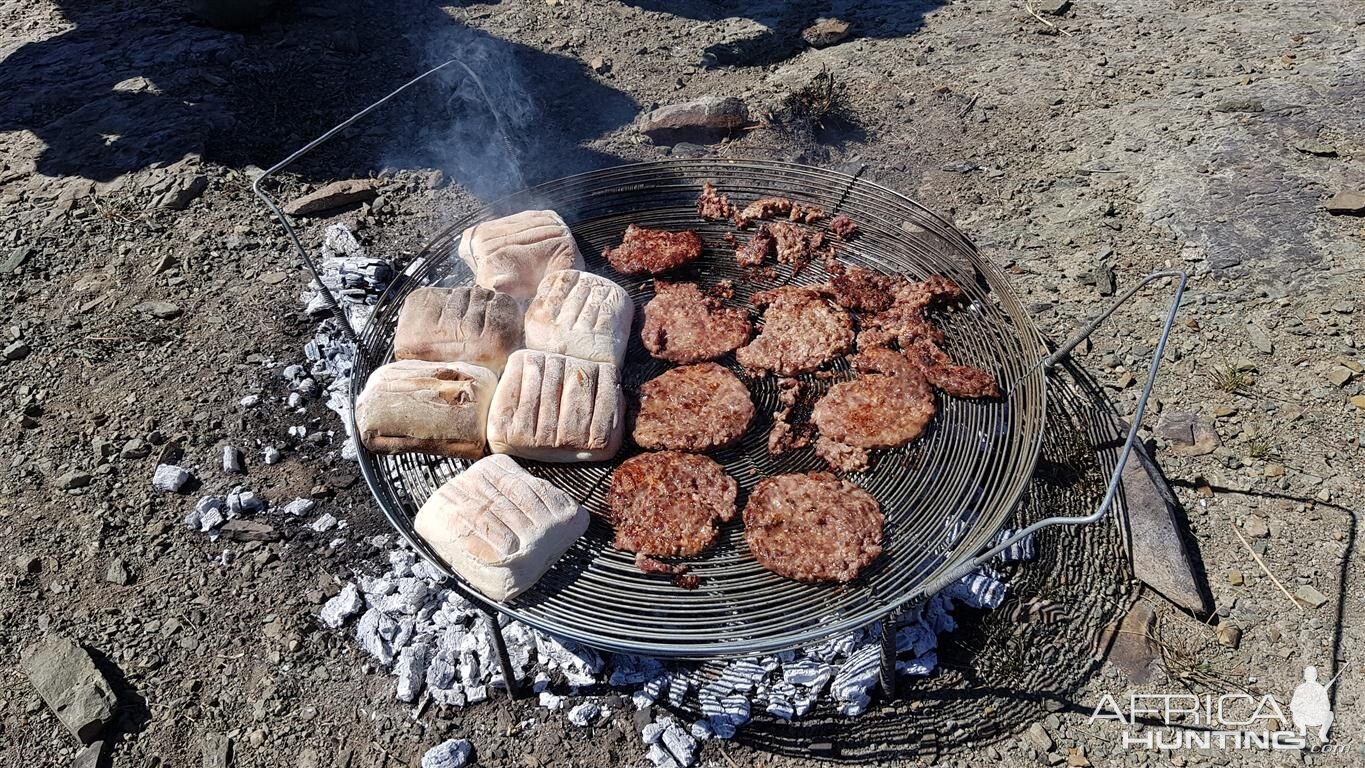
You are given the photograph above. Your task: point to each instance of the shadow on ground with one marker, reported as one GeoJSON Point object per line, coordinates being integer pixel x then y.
{"type": "Point", "coordinates": [128, 87]}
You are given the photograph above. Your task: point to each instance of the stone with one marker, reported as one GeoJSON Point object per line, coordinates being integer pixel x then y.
{"type": "Point", "coordinates": [584, 714]}
{"type": "Point", "coordinates": [338, 194]}
{"type": "Point", "coordinates": [1256, 527]}
{"type": "Point", "coordinates": [162, 310]}
{"type": "Point", "coordinates": [170, 478]}
{"type": "Point", "coordinates": [117, 573]}
{"type": "Point", "coordinates": [1340, 376]}
{"type": "Point", "coordinates": [1358, 401]}
{"type": "Point", "coordinates": [1274, 470]}
{"type": "Point", "coordinates": [1310, 597]}
{"type": "Point", "coordinates": [1130, 647]}
{"type": "Point", "coordinates": [299, 507]}
{"type": "Point", "coordinates": [233, 462]}
{"type": "Point", "coordinates": [1236, 579]}
{"type": "Point", "coordinates": [1315, 147]}
{"type": "Point", "coordinates": [16, 259]}
{"type": "Point", "coordinates": [1052, 7]}
{"type": "Point", "coordinates": [1346, 203]}
{"type": "Point", "coordinates": [1239, 104]}
{"type": "Point", "coordinates": [136, 448]}
{"type": "Point", "coordinates": [1038, 737]}
{"type": "Point", "coordinates": [17, 350]}
{"type": "Point", "coordinates": [710, 116]}
{"type": "Point", "coordinates": [183, 192]}
{"type": "Point", "coordinates": [73, 480]}
{"type": "Point", "coordinates": [1106, 282]}
{"type": "Point", "coordinates": [454, 753]}
{"type": "Point", "coordinates": [271, 455]}
{"type": "Point", "coordinates": [1162, 555]}
{"type": "Point", "coordinates": [1260, 339]}
{"type": "Point", "coordinates": [90, 757]}
{"type": "Point", "coordinates": [742, 41]}
{"type": "Point", "coordinates": [248, 530]}
{"type": "Point", "coordinates": [1230, 635]}
{"type": "Point", "coordinates": [65, 676]}
{"type": "Point", "coordinates": [216, 750]}
{"type": "Point", "coordinates": [1176, 426]}
{"type": "Point", "coordinates": [823, 33]}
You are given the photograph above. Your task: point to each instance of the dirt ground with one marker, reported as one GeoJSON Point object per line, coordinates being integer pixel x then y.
{"type": "Point", "coordinates": [144, 292]}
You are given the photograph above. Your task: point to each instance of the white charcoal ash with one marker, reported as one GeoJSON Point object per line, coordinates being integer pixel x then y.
{"type": "Point", "coordinates": [325, 522]}
{"type": "Point", "coordinates": [208, 513]}
{"type": "Point", "coordinates": [233, 461]}
{"type": "Point", "coordinates": [411, 669]}
{"type": "Point", "coordinates": [169, 478]}
{"type": "Point", "coordinates": [271, 455]}
{"type": "Point", "coordinates": [1021, 551]}
{"type": "Point", "coordinates": [857, 676]}
{"type": "Point", "coordinates": [454, 753]}
{"type": "Point", "coordinates": [299, 507]}
{"type": "Point", "coordinates": [653, 732]}
{"type": "Point", "coordinates": [250, 401]}
{"type": "Point", "coordinates": [650, 692]}
{"type": "Point", "coordinates": [340, 608]}
{"type": "Point", "coordinates": [551, 701]}
{"type": "Point", "coordinates": [242, 501]}
{"type": "Point", "coordinates": [584, 714]}
{"type": "Point", "coordinates": [679, 744]}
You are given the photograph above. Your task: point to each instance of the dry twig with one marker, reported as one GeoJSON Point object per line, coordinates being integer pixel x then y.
{"type": "Point", "coordinates": [1029, 7]}
{"type": "Point", "coordinates": [1265, 567]}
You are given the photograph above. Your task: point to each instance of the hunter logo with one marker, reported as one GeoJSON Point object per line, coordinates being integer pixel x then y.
{"type": "Point", "coordinates": [1228, 721]}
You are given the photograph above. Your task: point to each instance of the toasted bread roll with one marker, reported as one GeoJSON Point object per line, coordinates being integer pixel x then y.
{"type": "Point", "coordinates": [414, 406]}
{"type": "Point", "coordinates": [466, 324]}
{"type": "Point", "coordinates": [513, 253]}
{"type": "Point", "coordinates": [582, 315]}
{"type": "Point", "coordinates": [551, 407]}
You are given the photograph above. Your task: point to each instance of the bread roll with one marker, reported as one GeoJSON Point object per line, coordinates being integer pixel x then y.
{"type": "Point", "coordinates": [582, 315]}
{"type": "Point", "coordinates": [551, 407]}
{"type": "Point", "coordinates": [414, 406]}
{"type": "Point", "coordinates": [513, 253]}
{"type": "Point", "coordinates": [467, 324]}
{"type": "Point", "coordinates": [499, 527]}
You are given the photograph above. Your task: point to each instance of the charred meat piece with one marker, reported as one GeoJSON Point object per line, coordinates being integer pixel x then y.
{"type": "Point", "coordinates": [653, 250]}
{"type": "Point", "coordinates": [714, 206]}
{"type": "Point", "coordinates": [684, 325]}
{"type": "Point", "coordinates": [942, 372]}
{"type": "Point", "coordinates": [693, 408]}
{"type": "Point", "coordinates": [681, 577]}
{"type": "Point", "coordinates": [775, 208]}
{"type": "Point", "coordinates": [667, 505]}
{"type": "Point", "coordinates": [795, 246]}
{"type": "Point", "coordinates": [841, 457]}
{"type": "Point", "coordinates": [801, 332]}
{"type": "Point", "coordinates": [887, 406]}
{"type": "Point", "coordinates": [860, 289]}
{"type": "Point", "coordinates": [813, 527]}
{"type": "Point", "coordinates": [786, 434]}
{"type": "Point", "coordinates": [843, 227]}
{"type": "Point", "coordinates": [757, 250]}
{"type": "Point", "coordinates": [904, 321]}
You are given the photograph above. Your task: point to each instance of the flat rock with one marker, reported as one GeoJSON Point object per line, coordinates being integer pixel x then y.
{"type": "Point", "coordinates": [117, 573]}
{"type": "Point", "coordinates": [338, 194]}
{"type": "Point", "coordinates": [169, 478]}
{"type": "Point", "coordinates": [1310, 596]}
{"type": "Point", "coordinates": [217, 750]}
{"type": "Point", "coordinates": [1230, 635]}
{"type": "Point", "coordinates": [741, 41]}
{"type": "Point", "coordinates": [163, 310]}
{"type": "Point", "coordinates": [1340, 376]}
{"type": "Point", "coordinates": [1346, 203]}
{"type": "Point", "coordinates": [1039, 738]}
{"type": "Point", "coordinates": [1256, 527]}
{"type": "Point", "coordinates": [709, 116]}
{"type": "Point", "coordinates": [74, 479]}
{"type": "Point", "coordinates": [17, 350]}
{"type": "Point", "coordinates": [1131, 647]}
{"type": "Point", "coordinates": [89, 757]}
{"type": "Point", "coordinates": [1260, 339]}
{"type": "Point", "coordinates": [1163, 558]}
{"type": "Point", "coordinates": [183, 192]}
{"type": "Point", "coordinates": [65, 676]}
{"type": "Point", "coordinates": [1052, 7]}
{"type": "Point", "coordinates": [826, 32]}
{"type": "Point", "coordinates": [248, 530]}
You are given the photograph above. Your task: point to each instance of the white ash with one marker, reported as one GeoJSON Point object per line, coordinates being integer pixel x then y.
{"type": "Point", "coordinates": [208, 513]}
{"type": "Point", "coordinates": [325, 522]}
{"type": "Point", "coordinates": [299, 507]}
{"type": "Point", "coordinates": [550, 701]}
{"type": "Point", "coordinates": [584, 714]}
{"type": "Point", "coordinates": [342, 607]}
{"type": "Point", "coordinates": [242, 501]}
{"type": "Point", "coordinates": [454, 753]}
{"type": "Point", "coordinates": [170, 478]}
{"type": "Point", "coordinates": [271, 455]}
{"type": "Point", "coordinates": [250, 401]}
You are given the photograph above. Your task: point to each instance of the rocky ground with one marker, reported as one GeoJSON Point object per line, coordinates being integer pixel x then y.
{"type": "Point", "coordinates": [145, 293]}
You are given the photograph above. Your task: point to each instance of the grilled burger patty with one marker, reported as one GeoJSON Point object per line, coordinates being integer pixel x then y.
{"type": "Point", "coordinates": [693, 408]}
{"type": "Point", "coordinates": [653, 250]}
{"type": "Point", "coordinates": [683, 325]}
{"type": "Point", "coordinates": [813, 527]}
{"type": "Point", "coordinates": [667, 504]}
{"type": "Point", "coordinates": [801, 332]}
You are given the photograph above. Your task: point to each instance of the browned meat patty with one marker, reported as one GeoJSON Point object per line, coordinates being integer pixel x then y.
{"type": "Point", "coordinates": [787, 434]}
{"type": "Point", "coordinates": [860, 289]}
{"type": "Point", "coordinates": [667, 505]}
{"type": "Point", "coordinates": [684, 325]}
{"type": "Point", "coordinates": [693, 408]}
{"type": "Point", "coordinates": [796, 246]}
{"type": "Point", "coordinates": [712, 205]}
{"type": "Point", "coordinates": [813, 527]}
{"type": "Point", "coordinates": [841, 457]}
{"type": "Point", "coordinates": [887, 406]}
{"type": "Point", "coordinates": [653, 250]}
{"type": "Point", "coordinates": [843, 227]}
{"type": "Point", "coordinates": [942, 372]}
{"type": "Point", "coordinates": [757, 250]}
{"type": "Point", "coordinates": [777, 207]}
{"type": "Point", "coordinates": [904, 321]}
{"type": "Point", "coordinates": [801, 332]}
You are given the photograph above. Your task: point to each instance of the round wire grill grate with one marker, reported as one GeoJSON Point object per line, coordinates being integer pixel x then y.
{"type": "Point", "coordinates": [944, 496]}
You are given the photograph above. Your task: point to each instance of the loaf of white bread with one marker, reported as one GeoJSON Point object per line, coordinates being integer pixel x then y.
{"type": "Point", "coordinates": [582, 315]}
{"type": "Point", "coordinates": [513, 253]}
{"type": "Point", "coordinates": [551, 407]}
{"type": "Point", "coordinates": [499, 527]}
{"type": "Point", "coordinates": [426, 407]}
{"type": "Point", "coordinates": [467, 324]}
